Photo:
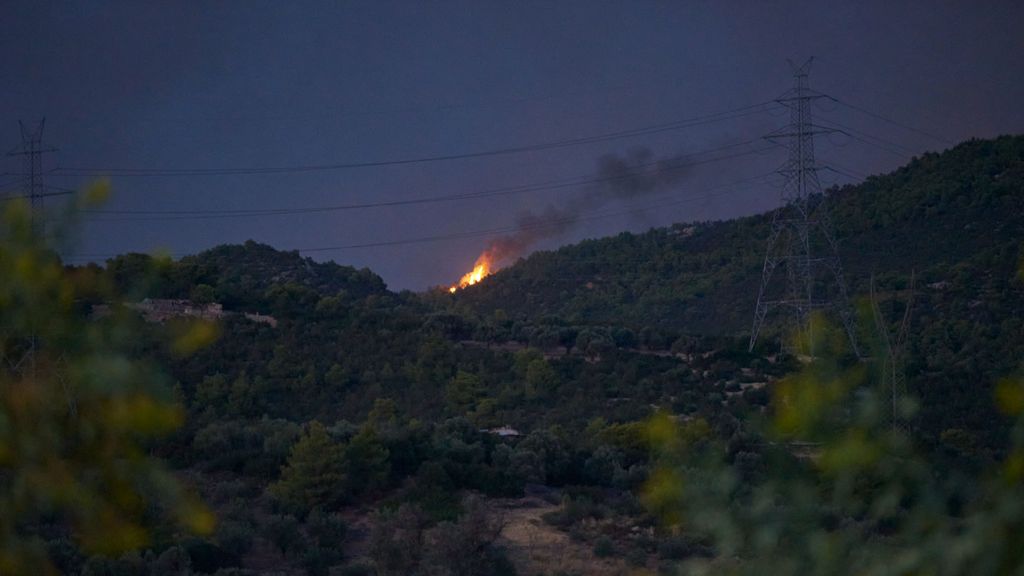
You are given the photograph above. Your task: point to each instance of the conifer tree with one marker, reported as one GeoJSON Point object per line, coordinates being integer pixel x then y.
{"type": "Point", "coordinates": [314, 475]}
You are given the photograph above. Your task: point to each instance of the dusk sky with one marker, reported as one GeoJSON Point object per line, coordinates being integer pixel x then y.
{"type": "Point", "coordinates": [178, 88]}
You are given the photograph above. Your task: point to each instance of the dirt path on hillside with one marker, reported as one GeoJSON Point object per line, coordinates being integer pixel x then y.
{"type": "Point", "coordinates": [538, 548]}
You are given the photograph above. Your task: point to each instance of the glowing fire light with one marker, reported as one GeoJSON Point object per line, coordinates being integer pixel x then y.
{"type": "Point", "coordinates": [481, 270]}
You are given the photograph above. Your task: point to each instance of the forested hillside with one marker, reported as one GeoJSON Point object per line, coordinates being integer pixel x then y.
{"type": "Point", "coordinates": [250, 276]}
{"type": "Point", "coordinates": [360, 416]}
{"type": "Point", "coordinates": [940, 212]}
{"type": "Point", "coordinates": [955, 219]}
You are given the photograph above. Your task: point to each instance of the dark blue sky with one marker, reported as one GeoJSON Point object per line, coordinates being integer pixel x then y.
{"type": "Point", "coordinates": [173, 85]}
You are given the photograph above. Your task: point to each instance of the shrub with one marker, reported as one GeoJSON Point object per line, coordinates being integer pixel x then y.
{"type": "Point", "coordinates": [318, 560]}
{"type": "Point", "coordinates": [326, 529]}
{"type": "Point", "coordinates": [235, 537]}
{"type": "Point", "coordinates": [466, 547]}
{"type": "Point", "coordinates": [356, 570]}
{"type": "Point", "coordinates": [206, 557]}
{"type": "Point", "coordinates": [680, 548]}
{"type": "Point", "coordinates": [636, 557]}
{"type": "Point", "coordinates": [172, 562]}
{"type": "Point", "coordinates": [604, 547]}
{"type": "Point", "coordinates": [396, 540]}
{"type": "Point", "coordinates": [283, 531]}
{"type": "Point", "coordinates": [574, 510]}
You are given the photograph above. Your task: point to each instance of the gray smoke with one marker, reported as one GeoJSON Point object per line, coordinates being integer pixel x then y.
{"type": "Point", "coordinates": [619, 178]}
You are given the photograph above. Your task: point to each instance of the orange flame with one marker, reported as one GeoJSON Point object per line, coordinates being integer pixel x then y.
{"type": "Point", "coordinates": [480, 270]}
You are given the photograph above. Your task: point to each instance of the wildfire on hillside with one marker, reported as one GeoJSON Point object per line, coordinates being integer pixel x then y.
{"type": "Point", "coordinates": [620, 178]}
{"type": "Point", "coordinates": [480, 270]}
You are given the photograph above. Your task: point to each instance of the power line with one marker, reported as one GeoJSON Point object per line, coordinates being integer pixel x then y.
{"type": "Point", "coordinates": [730, 187]}
{"type": "Point", "coordinates": [15, 182]}
{"type": "Point", "coordinates": [508, 229]}
{"type": "Point", "coordinates": [891, 121]}
{"type": "Point", "coordinates": [871, 140]}
{"type": "Point", "coordinates": [62, 192]}
{"type": "Point", "coordinates": [148, 215]}
{"type": "Point", "coordinates": [838, 169]}
{"type": "Point", "coordinates": [565, 143]}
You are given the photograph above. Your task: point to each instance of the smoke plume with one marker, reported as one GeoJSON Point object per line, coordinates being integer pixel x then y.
{"type": "Point", "coordinates": [619, 178]}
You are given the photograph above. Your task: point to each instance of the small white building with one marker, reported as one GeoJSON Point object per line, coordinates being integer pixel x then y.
{"type": "Point", "coordinates": [504, 432]}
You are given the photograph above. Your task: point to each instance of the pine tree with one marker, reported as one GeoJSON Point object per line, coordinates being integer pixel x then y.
{"type": "Point", "coordinates": [314, 475]}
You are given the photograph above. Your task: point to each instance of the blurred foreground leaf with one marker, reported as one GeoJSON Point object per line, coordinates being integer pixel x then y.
{"type": "Point", "coordinates": [842, 492]}
{"type": "Point", "coordinates": [76, 413]}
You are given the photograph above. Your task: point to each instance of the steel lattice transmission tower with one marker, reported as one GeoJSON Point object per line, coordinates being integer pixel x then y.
{"type": "Point", "coordinates": [893, 372]}
{"type": "Point", "coordinates": [801, 239]}
{"type": "Point", "coordinates": [18, 351]}
{"type": "Point", "coordinates": [32, 151]}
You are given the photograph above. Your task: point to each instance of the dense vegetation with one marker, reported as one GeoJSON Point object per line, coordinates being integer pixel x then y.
{"type": "Point", "coordinates": [938, 213]}
{"type": "Point", "coordinates": [358, 433]}
{"type": "Point", "coordinates": [955, 218]}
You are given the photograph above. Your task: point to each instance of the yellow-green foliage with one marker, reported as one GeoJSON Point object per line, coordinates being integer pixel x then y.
{"type": "Point", "coordinates": [75, 412]}
{"type": "Point", "coordinates": [843, 492]}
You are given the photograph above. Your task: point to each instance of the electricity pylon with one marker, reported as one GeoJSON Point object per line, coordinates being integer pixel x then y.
{"type": "Point", "coordinates": [18, 351]}
{"type": "Point", "coordinates": [801, 238]}
{"type": "Point", "coordinates": [894, 376]}
{"type": "Point", "coordinates": [32, 151]}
